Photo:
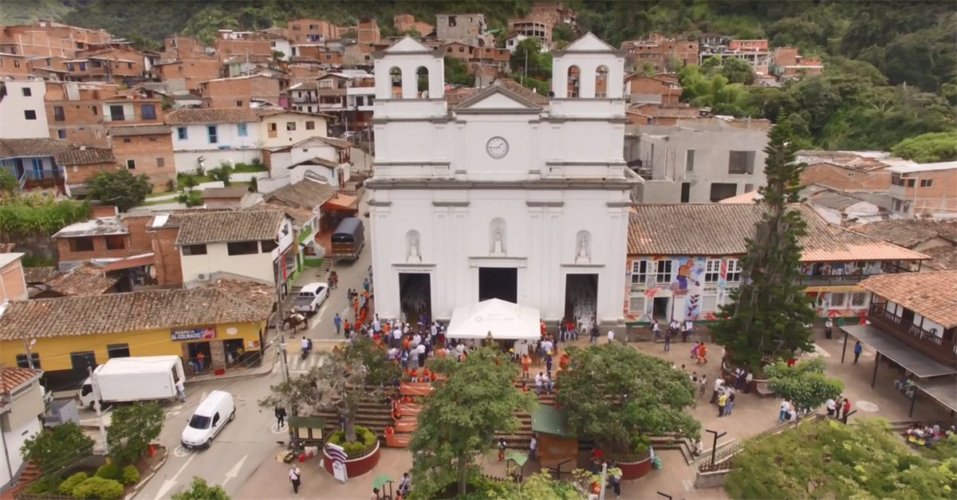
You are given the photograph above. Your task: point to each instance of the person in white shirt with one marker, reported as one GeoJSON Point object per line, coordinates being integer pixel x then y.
{"type": "Point", "coordinates": [416, 340]}
{"type": "Point", "coordinates": [611, 336]}
{"type": "Point", "coordinates": [539, 380]}
{"type": "Point", "coordinates": [376, 326]}
{"type": "Point", "coordinates": [784, 412]}
{"type": "Point", "coordinates": [547, 346]}
{"type": "Point", "coordinates": [718, 387]}
{"type": "Point", "coordinates": [397, 336]}
{"type": "Point", "coordinates": [831, 407]}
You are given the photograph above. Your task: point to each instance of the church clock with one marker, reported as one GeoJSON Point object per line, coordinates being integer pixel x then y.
{"type": "Point", "coordinates": [497, 147]}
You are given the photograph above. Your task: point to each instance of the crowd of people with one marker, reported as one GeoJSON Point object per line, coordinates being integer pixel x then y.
{"type": "Point", "coordinates": [927, 435]}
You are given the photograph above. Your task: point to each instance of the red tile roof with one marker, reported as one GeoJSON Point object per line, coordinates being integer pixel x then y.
{"type": "Point", "coordinates": [13, 377]}
{"type": "Point", "coordinates": [932, 295]}
{"type": "Point", "coordinates": [210, 116]}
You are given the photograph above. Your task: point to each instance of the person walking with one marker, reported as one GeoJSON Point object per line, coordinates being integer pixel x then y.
{"type": "Point", "coordinates": [702, 385]}
{"type": "Point", "coordinates": [783, 413]}
{"type": "Point", "coordinates": [181, 391]}
{"type": "Point", "coordinates": [718, 389]}
{"type": "Point", "coordinates": [831, 406]}
{"type": "Point", "coordinates": [501, 450]}
{"type": "Point", "coordinates": [847, 409]}
{"type": "Point", "coordinates": [295, 477]}
{"type": "Point", "coordinates": [730, 406]}
{"type": "Point", "coordinates": [702, 354]}
{"type": "Point", "coordinates": [611, 336]}
{"type": "Point", "coordinates": [655, 329]}
{"type": "Point", "coordinates": [668, 341]}
{"type": "Point", "coordinates": [858, 349]}
{"type": "Point", "coordinates": [200, 359]}
{"type": "Point", "coordinates": [594, 335]}
{"type": "Point", "coordinates": [615, 473]}
{"type": "Point", "coordinates": [722, 402]}
{"type": "Point", "coordinates": [280, 417]}
{"type": "Point", "coordinates": [533, 448]}
{"type": "Point", "coordinates": [828, 328]}
{"type": "Point", "coordinates": [338, 322]}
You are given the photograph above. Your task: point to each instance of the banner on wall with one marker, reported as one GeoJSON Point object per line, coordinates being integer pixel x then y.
{"type": "Point", "coordinates": [204, 333]}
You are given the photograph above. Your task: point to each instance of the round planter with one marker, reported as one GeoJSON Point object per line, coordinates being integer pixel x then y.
{"type": "Point", "coordinates": [635, 470]}
{"type": "Point", "coordinates": [354, 466]}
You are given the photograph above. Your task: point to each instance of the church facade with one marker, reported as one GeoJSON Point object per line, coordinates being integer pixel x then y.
{"type": "Point", "coordinates": [506, 194]}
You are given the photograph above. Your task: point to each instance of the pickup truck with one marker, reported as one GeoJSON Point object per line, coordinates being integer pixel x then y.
{"type": "Point", "coordinates": [310, 298]}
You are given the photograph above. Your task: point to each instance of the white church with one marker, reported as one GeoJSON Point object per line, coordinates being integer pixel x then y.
{"type": "Point", "coordinates": [506, 194]}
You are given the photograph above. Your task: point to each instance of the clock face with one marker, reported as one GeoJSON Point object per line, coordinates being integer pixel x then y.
{"type": "Point", "coordinates": [497, 147]}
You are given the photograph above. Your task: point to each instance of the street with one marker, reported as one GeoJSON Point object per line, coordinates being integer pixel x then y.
{"type": "Point", "coordinates": [249, 440]}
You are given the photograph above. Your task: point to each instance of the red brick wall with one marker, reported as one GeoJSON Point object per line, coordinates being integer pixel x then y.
{"type": "Point", "coordinates": [191, 70]}
{"type": "Point", "coordinates": [843, 179]}
{"type": "Point", "coordinates": [140, 240]}
{"type": "Point", "coordinates": [14, 65]}
{"type": "Point", "coordinates": [147, 151]}
{"type": "Point", "coordinates": [236, 92]}
{"type": "Point", "coordinates": [169, 267]}
{"type": "Point", "coordinates": [99, 250]}
{"type": "Point", "coordinates": [81, 174]}
{"type": "Point", "coordinates": [645, 85]}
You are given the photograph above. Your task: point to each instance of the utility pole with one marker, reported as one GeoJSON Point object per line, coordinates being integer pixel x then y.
{"type": "Point", "coordinates": [98, 406]}
{"type": "Point", "coordinates": [282, 338]}
{"type": "Point", "coordinates": [27, 344]}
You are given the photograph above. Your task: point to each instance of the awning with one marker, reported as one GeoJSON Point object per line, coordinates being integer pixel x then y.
{"type": "Point", "coordinates": [547, 419]}
{"type": "Point", "coordinates": [943, 389]}
{"type": "Point", "coordinates": [341, 202]}
{"type": "Point", "coordinates": [504, 320]}
{"type": "Point", "coordinates": [130, 262]}
{"type": "Point", "coordinates": [914, 361]}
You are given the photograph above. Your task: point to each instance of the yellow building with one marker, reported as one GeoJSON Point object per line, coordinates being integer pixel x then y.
{"type": "Point", "coordinates": [221, 325]}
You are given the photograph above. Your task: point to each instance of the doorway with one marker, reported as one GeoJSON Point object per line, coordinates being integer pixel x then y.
{"type": "Point", "coordinates": [498, 283]}
{"type": "Point", "coordinates": [82, 362]}
{"type": "Point", "coordinates": [581, 298]}
{"type": "Point", "coordinates": [415, 297]}
{"type": "Point", "coordinates": [661, 308]}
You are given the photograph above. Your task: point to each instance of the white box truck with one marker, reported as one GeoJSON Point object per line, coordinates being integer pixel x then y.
{"type": "Point", "coordinates": [125, 380]}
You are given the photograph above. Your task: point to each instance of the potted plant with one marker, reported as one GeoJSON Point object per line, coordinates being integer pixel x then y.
{"type": "Point", "coordinates": [618, 397]}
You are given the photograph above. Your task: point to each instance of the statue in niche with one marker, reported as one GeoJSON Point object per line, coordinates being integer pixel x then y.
{"type": "Point", "coordinates": [413, 254]}
{"type": "Point", "coordinates": [497, 246]}
{"type": "Point", "coordinates": [583, 248]}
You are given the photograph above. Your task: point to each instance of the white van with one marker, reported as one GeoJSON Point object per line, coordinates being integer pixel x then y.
{"type": "Point", "coordinates": [209, 418]}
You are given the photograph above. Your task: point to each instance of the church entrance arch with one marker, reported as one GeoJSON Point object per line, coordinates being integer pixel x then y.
{"type": "Point", "coordinates": [498, 283]}
{"type": "Point", "coordinates": [415, 296]}
{"type": "Point", "coordinates": [581, 298]}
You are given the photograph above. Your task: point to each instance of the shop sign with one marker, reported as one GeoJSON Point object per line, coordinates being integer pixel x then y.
{"type": "Point", "coordinates": [194, 334]}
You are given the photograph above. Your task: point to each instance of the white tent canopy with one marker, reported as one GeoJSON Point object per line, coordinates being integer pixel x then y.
{"type": "Point", "coordinates": [506, 321]}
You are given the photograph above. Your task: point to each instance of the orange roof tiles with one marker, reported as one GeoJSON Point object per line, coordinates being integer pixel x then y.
{"type": "Point", "coordinates": [932, 295]}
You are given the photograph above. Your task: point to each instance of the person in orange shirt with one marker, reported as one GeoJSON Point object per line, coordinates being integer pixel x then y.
{"type": "Point", "coordinates": [702, 354]}
{"type": "Point", "coordinates": [406, 343]}
{"type": "Point", "coordinates": [564, 361]}
{"type": "Point", "coordinates": [526, 364]}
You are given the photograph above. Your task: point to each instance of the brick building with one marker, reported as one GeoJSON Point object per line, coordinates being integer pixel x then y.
{"type": "Point", "coordinates": [662, 88]}
{"type": "Point", "coordinates": [112, 64]}
{"type": "Point", "coordinates": [664, 54]}
{"type": "Point", "coordinates": [75, 111]}
{"type": "Point", "coordinates": [245, 47]}
{"type": "Point", "coordinates": [367, 34]}
{"type": "Point", "coordinates": [146, 149]}
{"type": "Point", "coordinates": [924, 190]}
{"type": "Point", "coordinates": [787, 63]}
{"type": "Point", "coordinates": [848, 171]}
{"type": "Point", "coordinates": [13, 65]}
{"type": "Point", "coordinates": [82, 164]}
{"type": "Point", "coordinates": [238, 92]}
{"type": "Point", "coordinates": [310, 30]}
{"type": "Point", "coordinates": [471, 29]}
{"type": "Point", "coordinates": [47, 38]}
{"type": "Point", "coordinates": [405, 23]}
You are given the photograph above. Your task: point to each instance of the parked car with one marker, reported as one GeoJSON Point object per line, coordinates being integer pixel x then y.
{"type": "Point", "coordinates": [212, 414]}
{"type": "Point", "coordinates": [311, 297]}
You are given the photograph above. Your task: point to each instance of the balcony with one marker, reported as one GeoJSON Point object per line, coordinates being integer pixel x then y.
{"type": "Point", "coordinates": [818, 280]}
{"type": "Point", "coordinates": [938, 348]}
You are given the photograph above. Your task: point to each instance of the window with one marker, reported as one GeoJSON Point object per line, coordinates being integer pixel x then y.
{"type": "Point", "coordinates": [859, 299]}
{"type": "Point", "coordinates": [242, 130]}
{"type": "Point", "coordinates": [639, 272]}
{"type": "Point", "coordinates": [741, 162]}
{"type": "Point", "coordinates": [712, 271]}
{"type": "Point", "coordinates": [131, 164]}
{"type": "Point", "coordinates": [636, 305]}
{"type": "Point", "coordinates": [268, 245]}
{"type": "Point", "coordinates": [734, 271]}
{"type": "Point", "coordinates": [22, 360]}
{"type": "Point", "coordinates": [838, 299]}
{"type": "Point", "coordinates": [118, 350]}
{"type": "Point", "coordinates": [37, 168]}
{"type": "Point", "coordinates": [81, 244]}
{"type": "Point", "coordinates": [926, 183]}
{"type": "Point", "coordinates": [181, 133]}
{"type": "Point", "coordinates": [194, 249]}
{"type": "Point", "coordinates": [663, 271]}
{"type": "Point", "coordinates": [290, 126]}
{"type": "Point", "coordinates": [115, 242]}
{"type": "Point", "coordinates": [61, 133]}
{"type": "Point", "coordinates": [720, 191]}
{"type": "Point", "coordinates": [29, 114]}
{"type": "Point", "coordinates": [689, 160]}
{"type": "Point", "coordinates": [127, 140]}
{"type": "Point", "coordinates": [116, 113]}
{"type": "Point", "coordinates": [310, 125]}
{"type": "Point", "coordinates": [211, 132]}
{"type": "Point", "coordinates": [95, 111]}
{"type": "Point", "coordinates": [685, 192]}
{"type": "Point", "coordinates": [239, 104]}
{"type": "Point", "coordinates": [748, 188]}
{"type": "Point", "coordinates": [242, 247]}
{"type": "Point", "coordinates": [27, 91]}
{"type": "Point", "coordinates": [161, 162]}
{"type": "Point", "coordinates": [58, 114]}
{"type": "Point", "coordinates": [909, 183]}
{"type": "Point", "coordinates": [148, 111]}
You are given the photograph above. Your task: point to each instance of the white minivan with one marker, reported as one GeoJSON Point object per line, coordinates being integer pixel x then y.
{"type": "Point", "coordinates": [209, 418]}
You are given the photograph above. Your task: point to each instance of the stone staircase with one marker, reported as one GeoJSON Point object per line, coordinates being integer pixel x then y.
{"type": "Point", "coordinates": [30, 474]}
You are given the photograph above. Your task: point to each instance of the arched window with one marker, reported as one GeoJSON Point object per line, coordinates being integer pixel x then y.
{"type": "Point", "coordinates": [601, 81]}
{"type": "Point", "coordinates": [574, 75]}
{"type": "Point", "coordinates": [395, 74]}
{"type": "Point", "coordinates": [497, 236]}
{"type": "Point", "coordinates": [422, 77]}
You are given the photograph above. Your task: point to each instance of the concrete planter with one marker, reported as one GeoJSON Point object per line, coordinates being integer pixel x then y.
{"type": "Point", "coordinates": [355, 466]}
{"type": "Point", "coordinates": [635, 470]}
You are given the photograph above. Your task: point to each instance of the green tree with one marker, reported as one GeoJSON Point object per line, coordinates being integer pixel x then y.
{"type": "Point", "coordinates": [769, 313]}
{"type": "Point", "coordinates": [804, 384]}
{"type": "Point", "coordinates": [120, 188]}
{"type": "Point", "coordinates": [200, 490]}
{"type": "Point", "coordinates": [456, 72]}
{"type": "Point", "coordinates": [132, 429]}
{"type": "Point", "coordinates": [221, 173]}
{"type": "Point", "coordinates": [55, 449]}
{"type": "Point", "coordinates": [528, 60]}
{"type": "Point", "coordinates": [8, 183]}
{"type": "Point", "coordinates": [827, 459]}
{"type": "Point", "coordinates": [618, 397]}
{"type": "Point", "coordinates": [341, 381]}
{"type": "Point", "coordinates": [460, 419]}
{"type": "Point", "coordinates": [737, 71]}
{"type": "Point", "coordinates": [928, 148]}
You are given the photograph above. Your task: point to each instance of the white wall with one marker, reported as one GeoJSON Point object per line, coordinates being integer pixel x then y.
{"type": "Point", "coordinates": [230, 146]}
{"type": "Point", "coordinates": [217, 259]}
{"type": "Point", "coordinates": [14, 124]}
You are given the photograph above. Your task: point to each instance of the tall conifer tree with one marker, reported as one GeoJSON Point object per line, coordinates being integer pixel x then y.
{"type": "Point", "coordinates": [769, 312]}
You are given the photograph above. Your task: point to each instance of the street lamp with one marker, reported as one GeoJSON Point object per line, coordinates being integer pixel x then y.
{"type": "Point", "coordinates": [714, 446]}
